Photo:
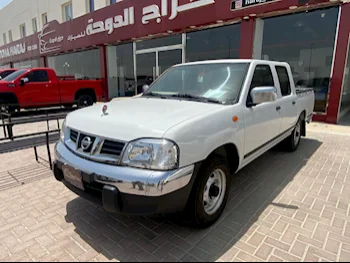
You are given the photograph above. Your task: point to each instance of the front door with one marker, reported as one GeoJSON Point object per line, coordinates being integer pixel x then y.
{"type": "Point", "coordinates": [150, 64]}
{"type": "Point", "coordinates": [39, 90]}
{"type": "Point", "coordinates": [262, 121]}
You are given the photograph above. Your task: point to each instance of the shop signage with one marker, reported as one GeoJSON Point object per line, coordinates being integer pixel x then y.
{"type": "Point", "coordinates": [13, 51]}
{"type": "Point", "coordinates": [49, 41]}
{"type": "Point", "coordinates": [239, 4]}
{"type": "Point", "coordinates": [153, 12]}
{"type": "Point", "coordinates": [53, 37]}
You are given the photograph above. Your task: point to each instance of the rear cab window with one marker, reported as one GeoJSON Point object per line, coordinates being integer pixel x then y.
{"type": "Point", "coordinates": [284, 80]}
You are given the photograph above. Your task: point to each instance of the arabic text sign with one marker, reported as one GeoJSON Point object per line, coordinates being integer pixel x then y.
{"type": "Point", "coordinates": [238, 4]}
{"type": "Point", "coordinates": [98, 27]}
{"type": "Point", "coordinates": [152, 12]}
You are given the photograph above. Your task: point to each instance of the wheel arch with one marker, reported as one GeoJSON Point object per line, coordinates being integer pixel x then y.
{"type": "Point", "coordinates": [9, 98]}
{"type": "Point", "coordinates": [85, 91]}
{"type": "Point", "coordinates": [230, 153]}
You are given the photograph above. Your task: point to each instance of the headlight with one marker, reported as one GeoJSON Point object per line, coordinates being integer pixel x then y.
{"type": "Point", "coordinates": [63, 130]}
{"type": "Point", "coordinates": [156, 154]}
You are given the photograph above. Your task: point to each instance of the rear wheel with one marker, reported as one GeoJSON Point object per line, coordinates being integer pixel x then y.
{"type": "Point", "coordinates": [85, 100]}
{"type": "Point", "coordinates": [210, 193]}
{"type": "Point", "coordinates": [293, 141]}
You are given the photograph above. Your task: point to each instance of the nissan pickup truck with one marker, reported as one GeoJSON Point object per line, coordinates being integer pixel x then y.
{"type": "Point", "coordinates": [5, 72]}
{"type": "Point", "coordinates": [174, 148]}
{"type": "Point", "coordinates": [40, 87]}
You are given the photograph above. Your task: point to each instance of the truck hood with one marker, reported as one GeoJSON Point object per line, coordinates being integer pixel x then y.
{"type": "Point", "coordinates": [135, 118]}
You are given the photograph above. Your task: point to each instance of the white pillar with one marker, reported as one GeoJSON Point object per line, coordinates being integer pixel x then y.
{"type": "Point", "coordinates": [112, 69]}
{"type": "Point", "coordinates": [258, 38]}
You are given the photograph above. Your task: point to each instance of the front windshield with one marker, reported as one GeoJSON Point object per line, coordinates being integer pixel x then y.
{"type": "Point", "coordinates": [15, 75]}
{"type": "Point", "coordinates": [221, 82]}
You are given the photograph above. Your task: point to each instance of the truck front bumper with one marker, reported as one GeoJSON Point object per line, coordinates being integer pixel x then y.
{"type": "Point", "coordinates": [124, 189]}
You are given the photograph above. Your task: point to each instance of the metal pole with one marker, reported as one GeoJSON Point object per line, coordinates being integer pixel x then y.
{"type": "Point", "coordinates": [3, 123]}
{"type": "Point", "coordinates": [48, 150]}
{"type": "Point", "coordinates": [9, 127]}
{"type": "Point", "coordinates": [36, 154]}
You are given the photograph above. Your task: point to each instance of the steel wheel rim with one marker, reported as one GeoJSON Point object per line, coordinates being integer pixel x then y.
{"type": "Point", "coordinates": [214, 192]}
{"type": "Point", "coordinates": [297, 134]}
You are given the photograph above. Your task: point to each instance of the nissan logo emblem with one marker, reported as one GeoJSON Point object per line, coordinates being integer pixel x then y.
{"type": "Point", "coordinates": [86, 143]}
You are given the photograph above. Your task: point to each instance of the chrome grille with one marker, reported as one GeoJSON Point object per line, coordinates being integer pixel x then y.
{"type": "Point", "coordinates": [94, 147]}
{"type": "Point", "coordinates": [74, 136]}
{"type": "Point", "coordinates": [112, 148]}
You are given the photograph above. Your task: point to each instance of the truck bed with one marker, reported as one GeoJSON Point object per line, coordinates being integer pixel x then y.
{"type": "Point", "coordinates": [303, 90]}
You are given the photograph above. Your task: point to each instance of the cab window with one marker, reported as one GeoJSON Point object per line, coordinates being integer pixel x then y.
{"type": "Point", "coordinates": [38, 76]}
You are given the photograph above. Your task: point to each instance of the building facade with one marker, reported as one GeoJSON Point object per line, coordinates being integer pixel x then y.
{"type": "Point", "coordinates": [130, 43]}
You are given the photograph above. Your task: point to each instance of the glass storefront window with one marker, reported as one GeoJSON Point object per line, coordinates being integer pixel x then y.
{"type": "Point", "coordinates": [5, 66]}
{"type": "Point", "coordinates": [215, 43]}
{"type": "Point", "coordinates": [35, 63]}
{"type": "Point", "coordinates": [344, 115]}
{"type": "Point", "coordinates": [80, 65]}
{"type": "Point", "coordinates": [159, 42]}
{"type": "Point", "coordinates": [306, 41]}
{"type": "Point", "coordinates": [121, 77]}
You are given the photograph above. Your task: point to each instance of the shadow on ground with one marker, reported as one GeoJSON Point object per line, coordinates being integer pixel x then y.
{"type": "Point", "coordinates": [146, 239]}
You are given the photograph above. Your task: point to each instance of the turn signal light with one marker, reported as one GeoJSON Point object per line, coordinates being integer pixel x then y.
{"type": "Point", "coordinates": [235, 118]}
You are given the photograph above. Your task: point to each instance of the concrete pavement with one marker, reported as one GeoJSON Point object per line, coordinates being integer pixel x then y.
{"type": "Point", "coordinates": [282, 207]}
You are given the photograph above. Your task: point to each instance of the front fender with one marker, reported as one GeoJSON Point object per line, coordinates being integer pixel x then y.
{"type": "Point", "coordinates": [198, 137]}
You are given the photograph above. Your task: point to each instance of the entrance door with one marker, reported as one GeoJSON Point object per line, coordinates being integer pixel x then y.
{"type": "Point", "coordinates": [145, 70]}
{"type": "Point", "coordinates": [167, 59]}
{"type": "Point", "coordinates": [151, 63]}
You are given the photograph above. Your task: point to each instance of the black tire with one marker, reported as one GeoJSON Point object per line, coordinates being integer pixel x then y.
{"type": "Point", "coordinates": [199, 217]}
{"type": "Point", "coordinates": [85, 100]}
{"type": "Point", "coordinates": [293, 141]}
{"type": "Point", "coordinates": [7, 108]}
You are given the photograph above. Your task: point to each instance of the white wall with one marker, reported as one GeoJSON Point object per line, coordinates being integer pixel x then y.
{"type": "Point", "coordinates": [23, 11]}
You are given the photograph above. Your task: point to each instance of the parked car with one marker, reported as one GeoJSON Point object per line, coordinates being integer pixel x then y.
{"type": "Point", "coordinates": [40, 87]}
{"type": "Point", "coordinates": [5, 72]}
{"type": "Point", "coordinates": [175, 147]}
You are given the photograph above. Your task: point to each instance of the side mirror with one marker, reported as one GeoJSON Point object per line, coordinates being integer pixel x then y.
{"type": "Point", "coordinates": [145, 88]}
{"type": "Point", "coordinates": [263, 94]}
{"type": "Point", "coordinates": [24, 81]}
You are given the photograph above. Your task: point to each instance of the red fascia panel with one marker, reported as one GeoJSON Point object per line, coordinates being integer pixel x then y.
{"type": "Point", "coordinates": [339, 65]}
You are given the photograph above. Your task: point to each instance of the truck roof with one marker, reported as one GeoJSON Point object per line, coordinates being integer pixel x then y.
{"type": "Point", "coordinates": [37, 68]}
{"type": "Point", "coordinates": [219, 61]}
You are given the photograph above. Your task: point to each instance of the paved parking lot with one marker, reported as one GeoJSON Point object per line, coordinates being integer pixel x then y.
{"type": "Point", "coordinates": [283, 207]}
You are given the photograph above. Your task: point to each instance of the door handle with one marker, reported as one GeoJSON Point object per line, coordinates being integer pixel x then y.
{"type": "Point", "coordinates": [293, 102]}
{"type": "Point", "coordinates": [278, 108]}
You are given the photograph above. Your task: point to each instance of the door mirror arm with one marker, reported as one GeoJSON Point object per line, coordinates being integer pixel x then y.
{"type": "Point", "coordinates": [23, 81]}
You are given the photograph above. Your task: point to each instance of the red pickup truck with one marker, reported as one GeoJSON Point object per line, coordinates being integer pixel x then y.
{"type": "Point", "coordinates": [6, 71]}
{"type": "Point", "coordinates": [40, 87]}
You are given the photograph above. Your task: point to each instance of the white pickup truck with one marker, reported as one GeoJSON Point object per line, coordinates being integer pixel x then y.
{"type": "Point", "coordinates": [175, 147]}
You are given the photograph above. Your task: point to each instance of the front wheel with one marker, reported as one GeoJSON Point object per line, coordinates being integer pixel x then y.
{"type": "Point", "coordinates": [210, 193]}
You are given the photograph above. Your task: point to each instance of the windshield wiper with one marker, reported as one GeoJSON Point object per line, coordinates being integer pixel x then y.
{"type": "Point", "coordinates": [153, 94]}
{"type": "Point", "coordinates": [199, 98]}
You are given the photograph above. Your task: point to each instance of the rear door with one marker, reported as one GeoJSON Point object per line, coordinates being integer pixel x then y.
{"type": "Point", "coordinates": [40, 89]}
{"type": "Point", "coordinates": [262, 121]}
{"type": "Point", "coordinates": [289, 107]}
